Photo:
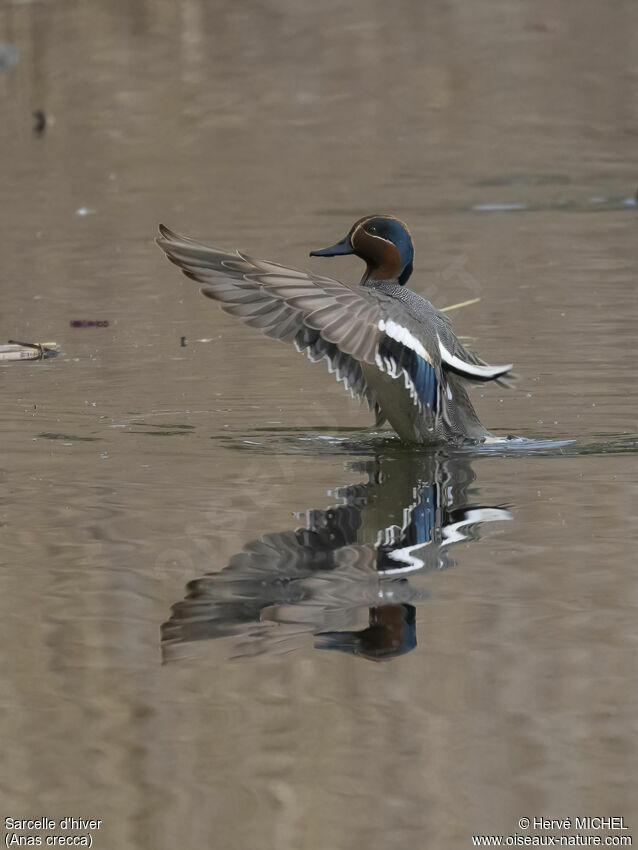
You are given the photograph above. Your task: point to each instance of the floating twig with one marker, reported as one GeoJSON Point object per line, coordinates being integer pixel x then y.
{"type": "Point", "coordinates": [460, 304]}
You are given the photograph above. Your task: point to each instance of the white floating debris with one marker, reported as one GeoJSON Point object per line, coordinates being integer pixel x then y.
{"type": "Point", "coordinates": [498, 207]}
{"type": "Point", "coordinates": [8, 55]}
{"type": "Point", "coordinates": [85, 211]}
{"type": "Point", "coordinates": [15, 350]}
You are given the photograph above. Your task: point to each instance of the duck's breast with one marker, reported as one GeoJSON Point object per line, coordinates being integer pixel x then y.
{"type": "Point", "coordinates": [413, 423]}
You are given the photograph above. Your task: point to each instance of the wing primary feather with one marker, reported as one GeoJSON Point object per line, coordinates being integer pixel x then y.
{"type": "Point", "coordinates": [322, 317]}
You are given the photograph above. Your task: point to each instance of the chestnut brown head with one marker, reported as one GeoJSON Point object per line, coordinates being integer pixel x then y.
{"type": "Point", "coordinates": [383, 242]}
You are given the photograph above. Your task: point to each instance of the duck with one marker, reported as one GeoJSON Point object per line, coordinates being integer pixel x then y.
{"type": "Point", "coordinates": [387, 345]}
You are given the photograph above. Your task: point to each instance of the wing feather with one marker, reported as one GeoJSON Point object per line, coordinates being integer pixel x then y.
{"type": "Point", "coordinates": [464, 362]}
{"type": "Point", "coordinates": [320, 315]}
{"type": "Point", "coordinates": [469, 365]}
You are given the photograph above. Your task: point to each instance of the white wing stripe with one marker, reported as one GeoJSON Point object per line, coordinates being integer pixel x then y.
{"type": "Point", "coordinates": [403, 335]}
{"type": "Point", "coordinates": [470, 368]}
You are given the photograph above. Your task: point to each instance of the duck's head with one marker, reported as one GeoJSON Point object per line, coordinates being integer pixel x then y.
{"type": "Point", "coordinates": [383, 242]}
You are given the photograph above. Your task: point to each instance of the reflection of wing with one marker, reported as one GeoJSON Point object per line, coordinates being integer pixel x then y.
{"type": "Point", "coordinates": [466, 527]}
{"type": "Point", "coordinates": [269, 574]}
{"type": "Point", "coordinates": [422, 542]}
{"type": "Point", "coordinates": [279, 591]}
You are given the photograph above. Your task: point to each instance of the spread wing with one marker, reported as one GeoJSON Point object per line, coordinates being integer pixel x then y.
{"type": "Point", "coordinates": [319, 315]}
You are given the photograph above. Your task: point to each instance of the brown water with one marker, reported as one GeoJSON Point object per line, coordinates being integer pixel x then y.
{"type": "Point", "coordinates": [505, 134]}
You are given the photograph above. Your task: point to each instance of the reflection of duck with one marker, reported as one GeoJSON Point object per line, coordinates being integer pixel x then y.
{"type": "Point", "coordinates": [346, 561]}
{"type": "Point", "coordinates": [386, 343]}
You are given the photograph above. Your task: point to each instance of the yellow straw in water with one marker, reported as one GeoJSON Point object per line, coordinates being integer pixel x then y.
{"type": "Point", "coordinates": [460, 304]}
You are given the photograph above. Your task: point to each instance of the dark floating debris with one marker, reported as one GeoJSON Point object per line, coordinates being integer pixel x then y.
{"type": "Point", "coordinates": [183, 342]}
{"type": "Point", "coordinates": [15, 350]}
{"type": "Point", "coordinates": [40, 121]}
{"type": "Point", "coordinates": [88, 323]}
{"type": "Point", "coordinates": [68, 438]}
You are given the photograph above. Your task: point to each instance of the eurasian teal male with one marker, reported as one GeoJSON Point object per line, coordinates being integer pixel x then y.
{"type": "Point", "coordinates": [388, 345]}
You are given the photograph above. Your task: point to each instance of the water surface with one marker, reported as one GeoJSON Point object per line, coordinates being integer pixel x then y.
{"type": "Point", "coordinates": [135, 470]}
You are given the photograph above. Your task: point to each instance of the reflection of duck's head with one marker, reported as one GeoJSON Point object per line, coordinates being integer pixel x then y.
{"type": "Point", "coordinates": [391, 632]}
{"type": "Point", "coordinates": [383, 242]}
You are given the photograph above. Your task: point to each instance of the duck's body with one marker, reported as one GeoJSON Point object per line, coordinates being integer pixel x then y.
{"type": "Point", "coordinates": [427, 403]}
{"type": "Point", "coordinates": [387, 344]}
